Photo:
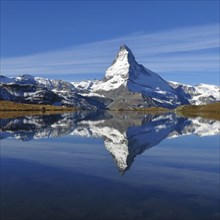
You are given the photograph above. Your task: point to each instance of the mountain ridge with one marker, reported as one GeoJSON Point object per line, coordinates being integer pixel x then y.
{"type": "Point", "coordinates": [126, 85]}
{"type": "Point", "coordinates": [126, 74]}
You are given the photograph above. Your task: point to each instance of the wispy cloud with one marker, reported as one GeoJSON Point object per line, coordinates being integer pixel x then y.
{"type": "Point", "coordinates": [187, 49]}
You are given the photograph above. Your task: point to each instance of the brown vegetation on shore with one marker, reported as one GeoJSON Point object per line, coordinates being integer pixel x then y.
{"type": "Point", "coordinates": [210, 111]}
{"type": "Point", "coordinates": [10, 109]}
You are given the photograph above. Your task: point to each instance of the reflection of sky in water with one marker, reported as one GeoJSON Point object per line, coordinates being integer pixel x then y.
{"type": "Point", "coordinates": [74, 177]}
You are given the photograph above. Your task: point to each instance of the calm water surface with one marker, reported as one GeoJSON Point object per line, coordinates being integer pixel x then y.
{"type": "Point", "coordinates": [109, 166]}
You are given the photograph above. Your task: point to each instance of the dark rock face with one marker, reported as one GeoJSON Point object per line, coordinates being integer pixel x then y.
{"type": "Point", "coordinates": [122, 98]}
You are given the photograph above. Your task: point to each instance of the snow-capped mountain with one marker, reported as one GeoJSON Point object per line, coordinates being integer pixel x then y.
{"type": "Point", "coordinates": [198, 94]}
{"type": "Point", "coordinates": [124, 135]}
{"type": "Point", "coordinates": [58, 86]}
{"type": "Point", "coordinates": [36, 90]}
{"type": "Point", "coordinates": [126, 85]}
{"type": "Point", "coordinates": [130, 84]}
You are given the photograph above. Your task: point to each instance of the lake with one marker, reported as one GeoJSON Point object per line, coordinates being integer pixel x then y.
{"type": "Point", "coordinates": [109, 166]}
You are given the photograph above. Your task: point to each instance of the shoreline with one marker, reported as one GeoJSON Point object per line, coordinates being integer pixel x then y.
{"type": "Point", "coordinates": [9, 109]}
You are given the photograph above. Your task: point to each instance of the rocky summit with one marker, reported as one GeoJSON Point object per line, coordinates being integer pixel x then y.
{"type": "Point", "coordinates": [126, 85]}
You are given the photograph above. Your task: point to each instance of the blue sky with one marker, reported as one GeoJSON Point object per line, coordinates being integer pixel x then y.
{"type": "Point", "coordinates": [75, 40]}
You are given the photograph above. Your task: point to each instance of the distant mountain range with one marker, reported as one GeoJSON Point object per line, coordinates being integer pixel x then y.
{"type": "Point", "coordinates": [126, 85]}
{"type": "Point", "coordinates": [125, 135]}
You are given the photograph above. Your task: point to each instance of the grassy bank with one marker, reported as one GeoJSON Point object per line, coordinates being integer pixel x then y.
{"type": "Point", "coordinates": [10, 109]}
{"type": "Point", "coordinates": [210, 111]}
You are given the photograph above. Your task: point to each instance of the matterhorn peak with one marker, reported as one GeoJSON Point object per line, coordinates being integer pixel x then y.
{"type": "Point", "coordinates": [124, 55]}
{"type": "Point", "coordinates": [121, 64]}
{"type": "Point", "coordinates": [125, 47]}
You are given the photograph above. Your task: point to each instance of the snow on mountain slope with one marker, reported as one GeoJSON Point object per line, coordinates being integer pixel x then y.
{"type": "Point", "coordinates": [127, 73]}
{"type": "Point", "coordinates": [25, 79]}
{"type": "Point", "coordinates": [203, 92]}
{"type": "Point", "coordinates": [37, 90]}
{"type": "Point", "coordinates": [118, 73]}
{"type": "Point", "coordinates": [199, 94]}
{"type": "Point", "coordinates": [86, 87]}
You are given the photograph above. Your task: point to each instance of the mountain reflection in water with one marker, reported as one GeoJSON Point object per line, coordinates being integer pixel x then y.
{"type": "Point", "coordinates": [125, 135]}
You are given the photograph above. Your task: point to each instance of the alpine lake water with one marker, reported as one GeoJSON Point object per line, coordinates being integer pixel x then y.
{"type": "Point", "coordinates": [109, 166]}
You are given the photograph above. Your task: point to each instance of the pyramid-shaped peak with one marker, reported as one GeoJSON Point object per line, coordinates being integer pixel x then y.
{"type": "Point", "coordinates": [125, 48]}
{"type": "Point", "coordinates": [121, 65]}
{"type": "Point", "coordinates": [124, 55]}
